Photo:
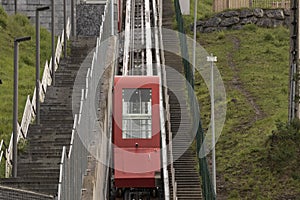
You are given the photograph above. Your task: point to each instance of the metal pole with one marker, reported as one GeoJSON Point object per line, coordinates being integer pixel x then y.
{"type": "Point", "coordinates": [294, 57]}
{"type": "Point", "coordinates": [72, 18]}
{"type": "Point", "coordinates": [16, 7]}
{"type": "Point", "coordinates": [37, 62]}
{"type": "Point", "coordinates": [15, 106]}
{"type": "Point", "coordinates": [213, 59]}
{"type": "Point", "coordinates": [112, 17]}
{"type": "Point", "coordinates": [53, 42]}
{"type": "Point", "coordinates": [15, 109]}
{"type": "Point", "coordinates": [195, 37]}
{"type": "Point", "coordinates": [65, 29]}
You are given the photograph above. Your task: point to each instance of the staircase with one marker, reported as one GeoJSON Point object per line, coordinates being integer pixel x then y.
{"type": "Point", "coordinates": [186, 174]}
{"type": "Point", "coordinates": [38, 164]}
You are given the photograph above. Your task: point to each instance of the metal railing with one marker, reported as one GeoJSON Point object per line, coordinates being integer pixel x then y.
{"type": "Point", "coordinates": [30, 106]}
{"type": "Point", "coordinates": [73, 164]}
{"type": "Point", "coordinates": [72, 167]}
{"type": "Point", "coordinates": [164, 97]}
{"type": "Point", "coordinates": [207, 187]}
{"type": "Point", "coordinates": [1, 151]}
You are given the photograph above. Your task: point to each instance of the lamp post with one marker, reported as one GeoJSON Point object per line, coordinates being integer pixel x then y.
{"type": "Point", "coordinates": [213, 59]}
{"type": "Point", "coordinates": [112, 17]}
{"type": "Point", "coordinates": [65, 28]}
{"type": "Point", "coordinates": [16, 8]}
{"type": "Point", "coordinates": [37, 62]}
{"type": "Point", "coordinates": [72, 18]}
{"type": "Point", "coordinates": [15, 106]}
{"type": "Point", "coordinates": [195, 36]}
{"type": "Point", "coordinates": [53, 42]}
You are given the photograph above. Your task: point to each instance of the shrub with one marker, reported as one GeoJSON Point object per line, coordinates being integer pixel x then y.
{"type": "Point", "coordinates": [283, 145]}
{"type": "Point", "coordinates": [221, 35]}
{"type": "Point", "coordinates": [268, 37]}
{"type": "Point", "coordinates": [250, 27]}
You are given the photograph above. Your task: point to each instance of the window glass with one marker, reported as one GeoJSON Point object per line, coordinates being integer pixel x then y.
{"type": "Point", "coordinates": [136, 113]}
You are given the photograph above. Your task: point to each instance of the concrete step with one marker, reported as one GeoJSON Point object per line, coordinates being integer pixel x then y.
{"type": "Point", "coordinates": [38, 166]}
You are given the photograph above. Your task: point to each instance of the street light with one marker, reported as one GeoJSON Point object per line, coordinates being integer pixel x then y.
{"type": "Point", "coordinates": [16, 8]}
{"type": "Point", "coordinates": [53, 42]}
{"type": "Point", "coordinates": [15, 107]}
{"type": "Point", "coordinates": [37, 62]}
{"type": "Point", "coordinates": [65, 27]}
{"type": "Point", "coordinates": [195, 36]}
{"type": "Point", "coordinates": [72, 18]}
{"type": "Point", "coordinates": [213, 59]}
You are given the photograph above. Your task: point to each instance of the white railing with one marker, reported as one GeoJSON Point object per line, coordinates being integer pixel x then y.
{"type": "Point", "coordinates": [30, 106]}
{"type": "Point", "coordinates": [73, 165]}
{"type": "Point", "coordinates": [1, 151]}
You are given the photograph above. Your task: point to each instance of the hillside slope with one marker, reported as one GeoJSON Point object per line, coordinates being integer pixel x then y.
{"type": "Point", "coordinates": [258, 152]}
{"type": "Point", "coordinates": [11, 27]}
{"type": "Point", "coordinates": [253, 63]}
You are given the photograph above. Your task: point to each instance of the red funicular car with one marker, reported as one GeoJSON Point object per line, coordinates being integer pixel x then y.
{"type": "Point", "coordinates": [136, 132]}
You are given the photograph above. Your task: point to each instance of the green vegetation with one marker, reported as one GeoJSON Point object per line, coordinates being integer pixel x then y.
{"type": "Point", "coordinates": [253, 63]}
{"type": "Point", "coordinates": [11, 27]}
{"type": "Point", "coordinates": [204, 11]}
{"type": "Point", "coordinates": [283, 147]}
{"type": "Point", "coordinates": [257, 153]}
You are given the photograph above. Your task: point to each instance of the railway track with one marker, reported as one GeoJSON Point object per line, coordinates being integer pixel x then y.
{"type": "Point", "coordinates": [140, 56]}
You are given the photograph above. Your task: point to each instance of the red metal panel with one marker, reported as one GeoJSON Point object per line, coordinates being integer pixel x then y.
{"type": "Point", "coordinates": [121, 82]}
{"type": "Point", "coordinates": [136, 167]}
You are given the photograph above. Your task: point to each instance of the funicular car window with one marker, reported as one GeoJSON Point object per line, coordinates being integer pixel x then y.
{"type": "Point", "coordinates": [136, 113]}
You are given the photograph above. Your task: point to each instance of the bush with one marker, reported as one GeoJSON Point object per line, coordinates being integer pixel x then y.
{"type": "Point", "coordinates": [250, 27]}
{"type": "Point", "coordinates": [221, 35]}
{"type": "Point", "coordinates": [268, 37]}
{"type": "Point", "coordinates": [283, 146]}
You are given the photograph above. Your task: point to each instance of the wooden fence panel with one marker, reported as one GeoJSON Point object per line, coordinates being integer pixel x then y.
{"type": "Point", "coordinates": [221, 5]}
{"type": "Point", "coordinates": [233, 4]}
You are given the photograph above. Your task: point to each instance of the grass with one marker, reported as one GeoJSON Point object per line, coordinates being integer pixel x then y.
{"type": "Point", "coordinates": [254, 66]}
{"type": "Point", "coordinates": [204, 10]}
{"type": "Point", "coordinates": [10, 28]}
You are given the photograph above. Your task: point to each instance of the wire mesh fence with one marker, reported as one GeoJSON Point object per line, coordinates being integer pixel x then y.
{"type": "Point", "coordinates": [207, 187]}
{"type": "Point", "coordinates": [72, 168]}
{"type": "Point", "coordinates": [74, 162]}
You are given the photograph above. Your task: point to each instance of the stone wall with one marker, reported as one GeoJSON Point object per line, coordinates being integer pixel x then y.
{"type": "Point", "coordinates": [236, 19]}
{"type": "Point", "coordinates": [88, 20]}
{"type": "Point", "coordinates": [28, 8]}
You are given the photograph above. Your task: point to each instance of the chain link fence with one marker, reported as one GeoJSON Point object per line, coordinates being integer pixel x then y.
{"type": "Point", "coordinates": [73, 164]}
{"type": "Point", "coordinates": [207, 187]}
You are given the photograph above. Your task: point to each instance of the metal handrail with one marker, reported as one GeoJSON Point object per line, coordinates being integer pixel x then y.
{"type": "Point", "coordinates": [61, 167]}
{"type": "Point", "coordinates": [67, 187]}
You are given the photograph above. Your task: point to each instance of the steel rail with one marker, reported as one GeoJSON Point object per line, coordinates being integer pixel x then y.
{"type": "Point", "coordinates": [127, 38]}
